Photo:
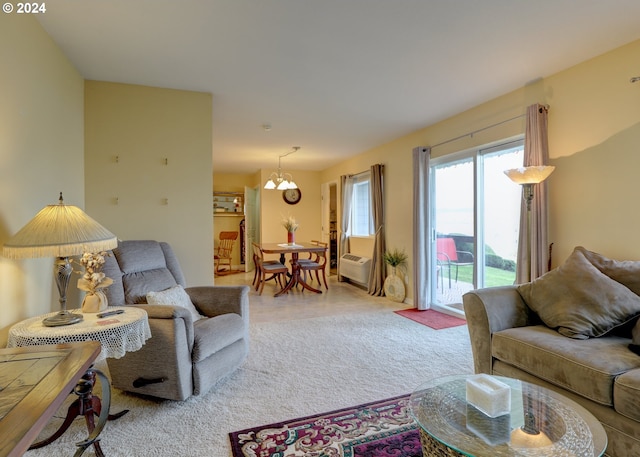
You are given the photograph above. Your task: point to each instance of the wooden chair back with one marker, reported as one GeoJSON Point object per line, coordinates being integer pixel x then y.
{"type": "Point", "coordinates": [225, 249]}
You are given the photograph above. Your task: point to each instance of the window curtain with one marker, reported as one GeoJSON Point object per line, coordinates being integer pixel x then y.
{"type": "Point", "coordinates": [377, 272]}
{"type": "Point", "coordinates": [536, 152]}
{"type": "Point", "coordinates": [421, 238]}
{"type": "Point", "coordinates": [346, 184]}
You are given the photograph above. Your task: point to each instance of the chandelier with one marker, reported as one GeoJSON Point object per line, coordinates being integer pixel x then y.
{"type": "Point", "coordinates": [280, 180]}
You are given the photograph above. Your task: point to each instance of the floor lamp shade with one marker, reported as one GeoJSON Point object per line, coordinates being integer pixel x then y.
{"type": "Point", "coordinates": [530, 175]}
{"type": "Point", "coordinates": [60, 231]}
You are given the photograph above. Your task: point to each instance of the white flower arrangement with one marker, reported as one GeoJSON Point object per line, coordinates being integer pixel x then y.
{"type": "Point", "coordinates": [290, 223]}
{"type": "Point", "coordinates": [93, 277]}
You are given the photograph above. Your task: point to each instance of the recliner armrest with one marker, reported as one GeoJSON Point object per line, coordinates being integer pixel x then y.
{"type": "Point", "coordinates": [216, 300]}
{"type": "Point", "coordinates": [488, 311]}
{"type": "Point", "coordinates": [170, 312]}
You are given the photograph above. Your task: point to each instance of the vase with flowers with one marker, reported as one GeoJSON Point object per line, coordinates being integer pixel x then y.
{"type": "Point", "coordinates": [93, 281]}
{"type": "Point", "coordinates": [290, 224]}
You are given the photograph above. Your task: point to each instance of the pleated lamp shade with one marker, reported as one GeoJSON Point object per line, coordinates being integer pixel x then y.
{"type": "Point", "coordinates": [59, 231]}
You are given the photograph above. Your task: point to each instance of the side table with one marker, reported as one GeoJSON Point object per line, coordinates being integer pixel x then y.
{"type": "Point", "coordinates": [116, 334]}
{"type": "Point", "coordinates": [33, 385]}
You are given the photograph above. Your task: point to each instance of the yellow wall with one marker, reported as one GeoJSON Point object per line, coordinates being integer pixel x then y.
{"type": "Point", "coordinates": [594, 137]}
{"type": "Point", "coordinates": [594, 133]}
{"type": "Point", "coordinates": [308, 212]}
{"type": "Point", "coordinates": [41, 154]}
{"type": "Point", "coordinates": [595, 145]}
{"type": "Point", "coordinates": [233, 182]}
{"type": "Point", "coordinates": [148, 168]}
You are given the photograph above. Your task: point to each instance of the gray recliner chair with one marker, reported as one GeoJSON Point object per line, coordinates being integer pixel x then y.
{"type": "Point", "coordinates": [182, 357]}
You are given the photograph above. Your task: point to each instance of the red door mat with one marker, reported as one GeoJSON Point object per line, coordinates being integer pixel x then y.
{"type": "Point", "coordinates": [434, 319]}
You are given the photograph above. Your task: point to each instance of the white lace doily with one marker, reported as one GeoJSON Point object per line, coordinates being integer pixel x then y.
{"type": "Point", "coordinates": [117, 334]}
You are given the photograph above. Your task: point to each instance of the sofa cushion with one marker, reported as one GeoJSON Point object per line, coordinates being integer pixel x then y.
{"type": "Point", "coordinates": [215, 333]}
{"type": "Point", "coordinates": [585, 367]}
{"type": "Point", "coordinates": [626, 394]}
{"type": "Point", "coordinates": [579, 300]}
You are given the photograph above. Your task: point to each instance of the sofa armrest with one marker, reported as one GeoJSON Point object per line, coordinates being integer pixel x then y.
{"type": "Point", "coordinates": [488, 311]}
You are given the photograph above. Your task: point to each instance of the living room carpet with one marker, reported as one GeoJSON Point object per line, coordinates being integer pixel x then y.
{"type": "Point", "coordinates": [431, 318]}
{"type": "Point", "coordinates": [381, 429]}
{"type": "Point", "coordinates": [296, 368]}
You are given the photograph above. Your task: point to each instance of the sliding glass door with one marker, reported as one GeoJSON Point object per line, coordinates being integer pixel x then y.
{"type": "Point", "coordinates": [475, 220]}
{"type": "Point", "coordinates": [454, 229]}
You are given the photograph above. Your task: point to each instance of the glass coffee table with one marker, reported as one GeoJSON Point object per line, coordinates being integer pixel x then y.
{"type": "Point", "coordinates": [540, 423]}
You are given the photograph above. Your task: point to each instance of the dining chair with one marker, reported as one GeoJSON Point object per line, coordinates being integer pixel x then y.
{"type": "Point", "coordinates": [225, 249]}
{"type": "Point", "coordinates": [316, 262]}
{"type": "Point", "coordinates": [256, 265]}
{"type": "Point", "coordinates": [264, 268]}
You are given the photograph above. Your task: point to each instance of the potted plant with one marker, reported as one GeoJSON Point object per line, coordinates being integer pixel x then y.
{"type": "Point", "coordinates": [394, 285]}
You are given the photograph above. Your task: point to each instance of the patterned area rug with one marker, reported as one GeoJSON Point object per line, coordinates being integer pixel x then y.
{"type": "Point", "coordinates": [379, 429]}
{"type": "Point", "coordinates": [434, 319]}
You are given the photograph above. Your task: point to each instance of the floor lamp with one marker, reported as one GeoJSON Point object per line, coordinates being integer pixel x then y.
{"type": "Point", "coordinates": [530, 435]}
{"type": "Point", "coordinates": [60, 231]}
{"type": "Point", "coordinates": [527, 177]}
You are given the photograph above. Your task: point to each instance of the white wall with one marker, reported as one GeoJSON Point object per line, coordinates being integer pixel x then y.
{"type": "Point", "coordinates": [148, 168]}
{"type": "Point", "coordinates": [41, 154]}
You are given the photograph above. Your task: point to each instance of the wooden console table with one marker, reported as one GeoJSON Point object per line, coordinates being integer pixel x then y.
{"type": "Point", "coordinates": [34, 382]}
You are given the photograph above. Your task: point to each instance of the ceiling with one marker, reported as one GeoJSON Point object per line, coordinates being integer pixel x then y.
{"type": "Point", "coordinates": [336, 77]}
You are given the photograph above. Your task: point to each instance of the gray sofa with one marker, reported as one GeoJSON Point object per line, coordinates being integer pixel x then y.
{"type": "Point", "coordinates": [508, 338]}
{"type": "Point", "coordinates": [184, 356]}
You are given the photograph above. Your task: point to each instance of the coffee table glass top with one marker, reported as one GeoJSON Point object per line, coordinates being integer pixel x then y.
{"type": "Point", "coordinates": [540, 423]}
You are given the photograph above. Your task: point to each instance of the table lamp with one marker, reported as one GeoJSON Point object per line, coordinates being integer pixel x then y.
{"type": "Point", "coordinates": [60, 231]}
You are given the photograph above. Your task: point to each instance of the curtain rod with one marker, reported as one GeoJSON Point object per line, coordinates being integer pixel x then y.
{"type": "Point", "coordinates": [451, 140]}
{"type": "Point", "coordinates": [363, 172]}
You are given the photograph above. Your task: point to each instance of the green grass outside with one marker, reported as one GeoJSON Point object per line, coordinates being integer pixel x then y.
{"type": "Point", "coordinates": [493, 276]}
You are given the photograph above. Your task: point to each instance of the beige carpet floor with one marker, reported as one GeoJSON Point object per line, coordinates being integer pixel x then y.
{"type": "Point", "coordinates": [294, 369]}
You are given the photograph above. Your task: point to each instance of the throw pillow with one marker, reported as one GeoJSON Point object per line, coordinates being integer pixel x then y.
{"type": "Point", "coordinates": [579, 300]}
{"type": "Point", "coordinates": [626, 272]}
{"type": "Point", "coordinates": [175, 296]}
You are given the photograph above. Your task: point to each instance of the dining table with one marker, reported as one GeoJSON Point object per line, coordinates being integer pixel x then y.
{"type": "Point", "coordinates": [295, 250]}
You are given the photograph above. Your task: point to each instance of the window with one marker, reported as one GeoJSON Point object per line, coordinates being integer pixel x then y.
{"type": "Point", "coordinates": [475, 221]}
{"type": "Point", "coordinates": [361, 217]}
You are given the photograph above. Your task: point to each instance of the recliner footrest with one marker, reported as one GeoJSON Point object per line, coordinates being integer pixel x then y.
{"type": "Point", "coordinates": [141, 382]}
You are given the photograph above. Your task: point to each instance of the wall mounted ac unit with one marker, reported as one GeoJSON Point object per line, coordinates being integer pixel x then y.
{"type": "Point", "coordinates": [355, 268]}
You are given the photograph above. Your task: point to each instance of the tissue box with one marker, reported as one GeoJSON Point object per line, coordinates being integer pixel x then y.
{"type": "Point", "coordinates": [489, 395]}
{"type": "Point", "coordinates": [492, 430]}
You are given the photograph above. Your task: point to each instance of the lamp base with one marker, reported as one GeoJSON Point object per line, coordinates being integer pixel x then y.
{"type": "Point", "coordinates": [62, 318]}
